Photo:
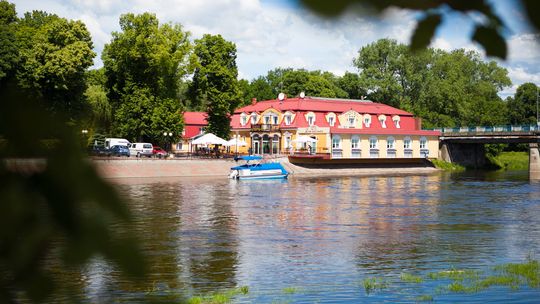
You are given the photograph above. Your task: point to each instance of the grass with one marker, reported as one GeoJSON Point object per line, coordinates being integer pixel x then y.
{"type": "Point", "coordinates": [446, 166]}
{"type": "Point", "coordinates": [512, 160]}
{"type": "Point", "coordinates": [219, 297]}
{"type": "Point", "coordinates": [511, 275]}
{"type": "Point", "coordinates": [409, 278]}
{"type": "Point", "coordinates": [372, 284]}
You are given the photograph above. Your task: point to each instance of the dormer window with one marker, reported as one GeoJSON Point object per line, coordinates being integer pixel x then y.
{"type": "Point", "coordinates": [243, 119]}
{"type": "Point", "coordinates": [288, 119]}
{"type": "Point", "coordinates": [274, 120]}
{"type": "Point", "coordinates": [310, 120]}
{"type": "Point", "coordinates": [331, 121]}
{"type": "Point", "coordinates": [382, 120]}
{"type": "Point", "coordinates": [253, 118]}
{"type": "Point", "coordinates": [367, 120]}
{"type": "Point", "coordinates": [396, 119]}
{"type": "Point", "coordinates": [352, 121]}
{"type": "Point", "coordinates": [267, 120]}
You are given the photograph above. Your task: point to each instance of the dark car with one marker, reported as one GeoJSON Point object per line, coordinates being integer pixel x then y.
{"type": "Point", "coordinates": [158, 152]}
{"type": "Point", "coordinates": [100, 151]}
{"type": "Point", "coordinates": [119, 150]}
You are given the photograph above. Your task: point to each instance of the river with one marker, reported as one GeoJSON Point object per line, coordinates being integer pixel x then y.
{"type": "Point", "coordinates": [307, 240]}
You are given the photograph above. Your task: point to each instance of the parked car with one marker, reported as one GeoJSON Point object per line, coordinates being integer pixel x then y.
{"type": "Point", "coordinates": [119, 150]}
{"type": "Point", "coordinates": [141, 149]}
{"type": "Point", "coordinates": [158, 152]}
{"type": "Point", "coordinates": [100, 151]}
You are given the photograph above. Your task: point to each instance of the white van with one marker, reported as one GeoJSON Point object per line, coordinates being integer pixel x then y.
{"type": "Point", "coordinates": [141, 149]}
{"type": "Point", "coordinates": [109, 142]}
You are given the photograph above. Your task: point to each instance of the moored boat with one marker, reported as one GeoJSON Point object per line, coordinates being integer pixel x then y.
{"type": "Point", "coordinates": [255, 169]}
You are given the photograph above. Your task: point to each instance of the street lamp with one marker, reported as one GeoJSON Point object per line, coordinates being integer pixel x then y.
{"type": "Point", "coordinates": [168, 141]}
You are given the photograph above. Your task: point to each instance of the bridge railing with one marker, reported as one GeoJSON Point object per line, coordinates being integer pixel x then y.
{"type": "Point", "coordinates": [490, 129]}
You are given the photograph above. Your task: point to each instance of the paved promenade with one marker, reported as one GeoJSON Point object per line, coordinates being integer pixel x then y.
{"type": "Point", "coordinates": [219, 168]}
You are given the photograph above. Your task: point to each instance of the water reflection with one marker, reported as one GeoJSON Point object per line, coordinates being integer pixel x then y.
{"type": "Point", "coordinates": [325, 233]}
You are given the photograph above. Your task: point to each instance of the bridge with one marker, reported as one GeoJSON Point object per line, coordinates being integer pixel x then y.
{"type": "Point", "coordinates": [465, 145]}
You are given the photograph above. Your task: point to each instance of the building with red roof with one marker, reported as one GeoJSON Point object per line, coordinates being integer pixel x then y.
{"type": "Point", "coordinates": [194, 125]}
{"type": "Point", "coordinates": [338, 128]}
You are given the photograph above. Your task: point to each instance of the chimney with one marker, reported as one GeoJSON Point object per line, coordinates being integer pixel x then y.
{"type": "Point", "coordinates": [253, 100]}
{"type": "Point", "coordinates": [418, 123]}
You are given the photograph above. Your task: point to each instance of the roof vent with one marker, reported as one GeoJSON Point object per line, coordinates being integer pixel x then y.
{"type": "Point", "coordinates": [302, 94]}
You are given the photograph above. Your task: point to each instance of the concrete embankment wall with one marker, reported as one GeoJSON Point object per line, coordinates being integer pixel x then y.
{"type": "Point", "coordinates": [124, 168]}
{"type": "Point", "coordinates": [121, 168]}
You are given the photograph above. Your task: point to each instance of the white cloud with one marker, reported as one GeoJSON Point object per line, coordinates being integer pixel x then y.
{"type": "Point", "coordinates": [272, 35]}
{"type": "Point", "coordinates": [519, 76]}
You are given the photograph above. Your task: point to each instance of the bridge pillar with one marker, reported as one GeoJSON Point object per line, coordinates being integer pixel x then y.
{"type": "Point", "coordinates": [534, 161]}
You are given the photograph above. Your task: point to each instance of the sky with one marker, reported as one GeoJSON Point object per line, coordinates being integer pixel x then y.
{"type": "Point", "coordinates": [280, 33]}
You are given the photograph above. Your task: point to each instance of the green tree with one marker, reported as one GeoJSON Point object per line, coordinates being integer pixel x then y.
{"type": "Point", "coordinates": [445, 88]}
{"type": "Point", "coordinates": [522, 107]}
{"type": "Point", "coordinates": [8, 44]}
{"type": "Point", "coordinates": [100, 108]}
{"type": "Point", "coordinates": [352, 85]}
{"type": "Point", "coordinates": [144, 65]}
{"type": "Point", "coordinates": [54, 54]}
{"type": "Point", "coordinates": [215, 83]}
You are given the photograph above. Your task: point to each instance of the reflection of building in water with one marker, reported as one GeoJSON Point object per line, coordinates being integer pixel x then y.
{"type": "Point", "coordinates": [207, 237]}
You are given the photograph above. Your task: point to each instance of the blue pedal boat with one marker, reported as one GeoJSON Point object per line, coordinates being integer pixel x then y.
{"type": "Point", "coordinates": [254, 168]}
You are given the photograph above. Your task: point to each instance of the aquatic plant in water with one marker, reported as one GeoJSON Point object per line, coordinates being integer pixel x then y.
{"type": "Point", "coordinates": [371, 284]}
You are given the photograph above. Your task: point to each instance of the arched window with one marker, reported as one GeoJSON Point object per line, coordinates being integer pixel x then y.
{"type": "Point", "coordinates": [390, 147]}
{"type": "Point", "coordinates": [373, 147]}
{"type": "Point", "coordinates": [310, 119]}
{"type": "Point", "coordinates": [352, 120]}
{"type": "Point", "coordinates": [355, 146]}
{"type": "Point", "coordinates": [367, 120]}
{"type": "Point", "coordinates": [288, 119]}
{"type": "Point", "coordinates": [382, 120]}
{"type": "Point", "coordinates": [337, 152]}
{"type": "Point", "coordinates": [424, 151]}
{"type": "Point", "coordinates": [396, 120]}
{"type": "Point", "coordinates": [407, 150]}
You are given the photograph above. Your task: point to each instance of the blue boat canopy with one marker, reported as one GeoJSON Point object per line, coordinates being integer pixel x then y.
{"type": "Point", "coordinates": [248, 157]}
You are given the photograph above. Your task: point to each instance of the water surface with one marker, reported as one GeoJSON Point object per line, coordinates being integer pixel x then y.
{"type": "Point", "coordinates": [311, 240]}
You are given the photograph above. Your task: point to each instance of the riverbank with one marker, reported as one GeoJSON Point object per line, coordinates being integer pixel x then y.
{"type": "Point", "coordinates": [152, 168]}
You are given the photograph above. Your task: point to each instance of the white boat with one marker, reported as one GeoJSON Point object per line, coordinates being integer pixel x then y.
{"type": "Point", "coordinates": [257, 170]}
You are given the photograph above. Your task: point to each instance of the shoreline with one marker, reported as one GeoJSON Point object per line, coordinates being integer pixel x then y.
{"type": "Point", "coordinates": [219, 168]}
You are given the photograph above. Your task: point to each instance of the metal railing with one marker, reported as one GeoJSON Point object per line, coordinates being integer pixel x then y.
{"type": "Point", "coordinates": [490, 129]}
{"type": "Point", "coordinates": [264, 127]}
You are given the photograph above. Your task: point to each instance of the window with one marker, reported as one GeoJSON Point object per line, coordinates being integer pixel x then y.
{"type": "Point", "coordinates": [373, 142]}
{"type": "Point", "coordinates": [288, 119]}
{"type": "Point", "coordinates": [390, 147]}
{"type": "Point", "coordinates": [352, 121]}
{"type": "Point", "coordinates": [355, 142]}
{"type": "Point", "coordinates": [424, 152]}
{"type": "Point", "coordinates": [423, 143]}
{"type": "Point", "coordinates": [382, 119]}
{"type": "Point", "coordinates": [331, 121]}
{"type": "Point", "coordinates": [355, 146]}
{"type": "Point", "coordinates": [201, 130]}
{"type": "Point", "coordinates": [367, 120]}
{"type": "Point", "coordinates": [390, 143]}
{"type": "Point", "coordinates": [275, 119]}
{"type": "Point", "coordinates": [179, 146]}
{"type": "Point", "coordinates": [395, 119]}
{"type": "Point", "coordinates": [407, 143]}
{"type": "Point", "coordinates": [253, 118]}
{"type": "Point", "coordinates": [336, 147]}
{"type": "Point", "coordinates": [243, 119]}
{"type": "Point", "coordinates": [310, 120]}
{"type": "Point", "coordinates": [267, 120]}
{"type": "Point", "coordinates": [373, 147]}
{"type": "Point", "coordinates": [407, 151]}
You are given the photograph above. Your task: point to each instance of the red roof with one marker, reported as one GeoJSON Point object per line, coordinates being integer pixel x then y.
{"type": "Point", "coordinates": [195, 118]}
{"type": "Point", "coordinates": [324, 105]}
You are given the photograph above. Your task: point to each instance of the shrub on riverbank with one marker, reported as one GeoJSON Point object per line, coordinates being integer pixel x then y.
{"type": "Point", "coordinates": [511, 160]}
{"type": "Point", "coordinates": [446, 166]}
